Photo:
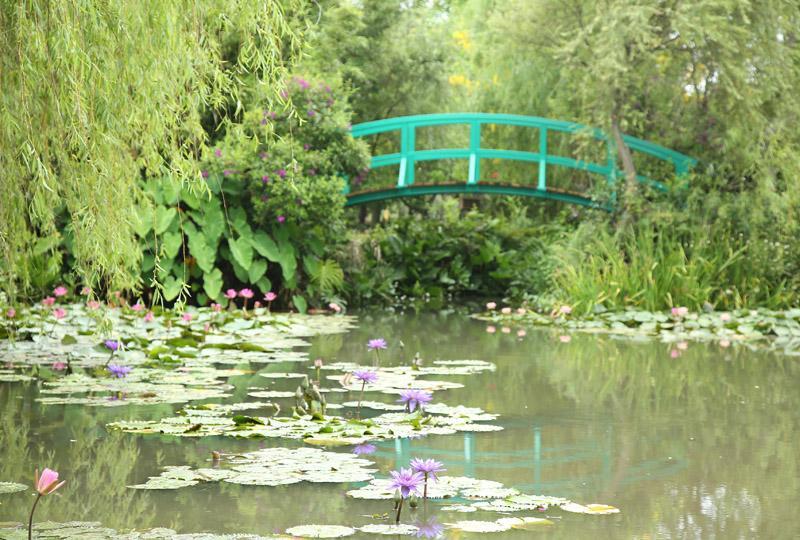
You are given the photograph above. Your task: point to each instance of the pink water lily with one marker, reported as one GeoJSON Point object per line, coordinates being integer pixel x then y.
{"type": "Point", "coordinates": [137, 307]}
{"type": "Point", "coordinates": [93, 304]}
{"type": "Point", "coordinates": [11, 313]}
{"type": "Point", "coordinates": [46, 484]}
{"type": "Point", "coordinates": [149, 317]}
{"type": "Point", "coordinates": [230, 294]}
{"type": "Point", "coordinates": [270, 296]}
{"type": "Point", "coordinates": [506, 311]}
{"type": "Point", "coordinates": [187, 317]}
{"type": "Point", "coordinates": [60, 291]}
{"type": "Point", "coordinates": [48, 301]}
{"type": "Point", "coordinates": [246, 293]}
{"type": "Point", "coordinates": [59, 313]}
{"type": "Point", "coordinates": [491, 305]}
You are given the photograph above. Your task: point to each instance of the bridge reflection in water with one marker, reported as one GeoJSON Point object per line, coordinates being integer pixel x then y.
{"type": "Point", "coordinates": [537, 468]}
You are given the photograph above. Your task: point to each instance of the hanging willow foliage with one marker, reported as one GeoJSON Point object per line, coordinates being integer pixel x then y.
{"type": "Point", "coordinates": [94, 95]}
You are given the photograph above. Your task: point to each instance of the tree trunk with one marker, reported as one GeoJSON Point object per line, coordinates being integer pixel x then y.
{"type": "Point", "coordinates": [628, 167]}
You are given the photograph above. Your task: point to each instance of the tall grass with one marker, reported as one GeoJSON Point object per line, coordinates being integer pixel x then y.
{"type": "Point", "coordinates": [656, 267]}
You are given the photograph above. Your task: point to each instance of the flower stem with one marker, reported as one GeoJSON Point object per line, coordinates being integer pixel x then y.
{"type": "Point", "coordinates": [30, 519]}
{"type": "Point", "coordinates": [360, 399]}
{"type": "Point", "coordinates": [377, 357]}
{"type": "Point", "coordinates": [396, 518]}
{"type": "Point", "coordinates": [425, 491]}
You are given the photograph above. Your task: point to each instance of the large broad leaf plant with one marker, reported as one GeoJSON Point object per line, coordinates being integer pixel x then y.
{"type": "Point", "coordinates": [273, 213]}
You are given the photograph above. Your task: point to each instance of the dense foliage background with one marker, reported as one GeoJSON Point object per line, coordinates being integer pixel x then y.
{"type": "Point", "coordinates": [212, 158]}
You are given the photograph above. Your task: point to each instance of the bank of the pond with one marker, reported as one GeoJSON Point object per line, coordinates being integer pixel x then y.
{"type": "Point", "coordinates": [775, 330]}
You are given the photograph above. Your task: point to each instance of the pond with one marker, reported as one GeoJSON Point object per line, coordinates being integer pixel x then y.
{"type": "Point", "coordinates": [694, 445]}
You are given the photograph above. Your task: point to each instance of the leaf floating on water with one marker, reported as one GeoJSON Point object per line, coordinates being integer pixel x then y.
{"type": "Point", "coordinates": [480, 526]}
{"type": "Point", "coordinates": [466, 508]}
{"type": "Point", "coordinates": [270, 467]}
{"type": "Point", "coordinates": [596, 509]}
{"type": "Point", "coordinates": [11, 487]}
{"type": "Point", "coordinates": [524, 523]}
{"type": "Point", "coordinates": [379, 528]}
{"type": "Point", "coordinates": [320, 531]}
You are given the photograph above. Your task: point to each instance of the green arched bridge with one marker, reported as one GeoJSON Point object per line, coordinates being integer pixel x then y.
{"type": "Point", "coordinates": [409, 155]}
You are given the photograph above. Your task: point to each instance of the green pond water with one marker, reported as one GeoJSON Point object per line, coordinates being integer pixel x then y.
{"type": "Point", "coordinates": [698, 446]}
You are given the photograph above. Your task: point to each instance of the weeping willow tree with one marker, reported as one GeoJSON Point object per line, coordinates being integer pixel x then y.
{"type": "Point", "coordinates": [95, 95]}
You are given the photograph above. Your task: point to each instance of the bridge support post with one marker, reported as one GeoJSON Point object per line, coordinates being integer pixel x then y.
{"type": "Point", "coordinates": [407, 143]}
{"type": "Point", "coordinates": [542, 186]}
{"type": "Point", "coordinates": [474, 157]}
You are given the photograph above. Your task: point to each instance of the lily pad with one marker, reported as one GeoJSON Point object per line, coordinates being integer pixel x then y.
{"type": "Point", "coordinates": [11, 487]}
{"type": "Point", "coordinates": [321, 531]}
{"type": "Point", "coordinates": [381, 528]}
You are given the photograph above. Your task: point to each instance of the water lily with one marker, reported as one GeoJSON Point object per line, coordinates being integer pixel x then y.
{"type": "Point", "coordinates": [506, 311]}
{"type": "Point", "coordinates": [521, 311]}
{"type": "Point", "coordinates": [59, 313]}
{"type": "Point", "coordinates": [230, 294]}
{"type": "Point", "coordinates": [281, 218]}
{"type": "Point", "coordinates": [565, 310]}
{"type": "Point", "coordinates": [679, 312]}
{"type": "Point", "coordinates": [406, 482]}
{"type": "Point", "coordinates": [365, 377]}
{"type": "Point", "coordinates": [216, 308]}
{"type": "Point", "coordinates": [270, 297]}
{"type": "Point", "coordinates": [59, 366]}
{"type": "Point", "coordinates": [318, 367]}
{"type": "Point", "coordinates": [149, 316]}
{"type": "Point", "coordinates": [491, 329]}
{"type": "Point", "coordinates": [674, 353]}
{"type": "Point", "coordinates": [506, 330]}
{"type": "Point", "coordinates": [725, 317]}
{"type": "Point", "coordinates": [119, 371]}
{"type": "Point", "coordinates": [48, 301]}
{"type": "Point", "coordinates": [11, 313]}
{"type": "Point", "coordinates": [414, 398]}
{"type": "Point", "coordinates": [377, 345]}
{"type": "Point", "coordinates": [429, 529]}
{"type": "Point", "coordinates": [428, 467]}
{"type": "Point", "coordinates": [491, 305]}
{"type": "Point", "coordinates": [60, 291]}
{"type": "Point", "coordinates": [565, 339]}
{"type": "Point", "coordinates": [247, 294]}
{"type": "Point", "coordinates": [187, 317]}
{"type": "Point", "coordinates": [137, 307]}
{"type": "Point", "coordinates": [724, 343]}
{"type": "Point", "coordinates": [683, 345]}
{"type": "Point", "coordinates": [362, 449]}
{"type": "Point", "coordinates": [112, 345]}
{"type": "Point", "coordinates": [336, 308]}
{"type": "Point", "coordinates": [92, 304]}
{"type": "Point", "coordinates": [46, 484]}
{"type": "Point", "coordinates": [521, 333]}
{"type": "Point", "coordinates": [85, 291]}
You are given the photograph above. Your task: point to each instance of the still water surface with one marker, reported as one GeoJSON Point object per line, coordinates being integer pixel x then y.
{"type": "Point", "coordinates": [699, 446]}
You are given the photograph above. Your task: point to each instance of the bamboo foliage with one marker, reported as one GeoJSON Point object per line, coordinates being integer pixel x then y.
{"type": "Point", "coordinates": [94, 95]}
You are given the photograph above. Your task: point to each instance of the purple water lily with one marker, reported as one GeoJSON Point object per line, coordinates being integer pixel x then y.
{"type": "Point", "coordinates": [414, 398]}
{"type": "Point", "coordinates": [375, 344]}
{"type": "Point", "coordinates": [406, 482]}
{"type": "Point", "coordinates": [429, 529]}
{"type": "Point", "coordinates": [111, 344]}
{"type": "Point", "coordinates": [428, 467]}
{"type": "Point", "coordinates": [365, 377]}
{"type": "Point", "coordinates": [361, 449]}
{"type": "Point", "coordinates": [119, 371]}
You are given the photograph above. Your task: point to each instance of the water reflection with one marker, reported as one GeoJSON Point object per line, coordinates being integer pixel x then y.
{"type": "Point", "coordinates": [701, 445]}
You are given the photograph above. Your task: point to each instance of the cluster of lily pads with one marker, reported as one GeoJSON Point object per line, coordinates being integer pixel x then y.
{"type": "Point", "coordinates": [114, 356]}
{"type": "Point", "coordinates": [779, 330]}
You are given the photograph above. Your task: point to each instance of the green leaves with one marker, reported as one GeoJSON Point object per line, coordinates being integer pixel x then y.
{"type": "Point", "coordinates": [242, 252]}
{"type": "Point", "coordinates": [163, 218]}
{"type": "Point", "coordinates": [212, 283]}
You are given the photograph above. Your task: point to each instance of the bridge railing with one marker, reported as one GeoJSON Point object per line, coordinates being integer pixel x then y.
{"type": "Point", "coordinates": [409, 155]}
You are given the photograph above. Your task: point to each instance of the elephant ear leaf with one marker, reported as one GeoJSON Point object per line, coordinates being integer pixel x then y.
{"type": "Point", "coordinates": [300, 303]}
{"type": "Point", "coordinates": [212, 283]}
{"type": "Point", "coordinates": [164, 217]}
{"type": "Point", "coordinates": [172, 288]}
{"type": "Point", "coordinates": [265, 246]}
{"type": "Point", "coordinates": [257, 270]}
{"type": "Point", "coordinates": [242, 252]}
